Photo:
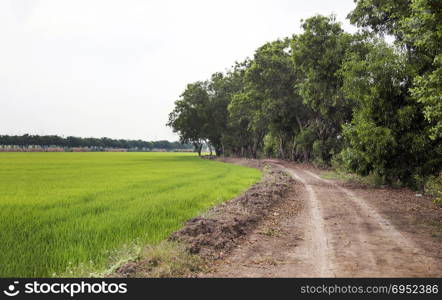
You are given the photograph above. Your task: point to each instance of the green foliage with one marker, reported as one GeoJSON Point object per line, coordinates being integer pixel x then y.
{"type": "Point", "coordinates": [369, 180]}
{"type": "Point", "coordinates": [433, 187]}
{"type": "Point", "coordinates": [247, 124]}
{"type": "Point", "coordinates": [60, 210]}
{"type": "Point", "coordinates": [270, 77]}
{"type": "Point", "coordinates": [304, 141]}
{"type": "Point", "coordinates": [416, 25]}
{"type": "Point", "coordinates": [271, 148]}
{"type": "Point", "coordinates": [189, 117]}
{"type": "Point", "coordinates": [405, 85]}
{"type": "Point", "coordinates": [381, 16]}
{"type": "Point", "coordinates": [353, 160]}
{"type": "Point", "coordinates": [317, 55]}
{"type": "Point", "coordinates": [326, 96]}
{"type": "Point", "coordinates": [388, 133]}
{"type": "Point", "coordinates": [428, 91]}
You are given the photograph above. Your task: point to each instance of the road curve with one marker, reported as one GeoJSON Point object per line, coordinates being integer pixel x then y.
{"type": "Point", "coordinates": [360, 242]}
{"type": "Point", "coordinates": [335, 233]}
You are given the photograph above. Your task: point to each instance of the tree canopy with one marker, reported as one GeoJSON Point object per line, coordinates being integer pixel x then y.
{"type": "Point", "coordinates": [72, 141]}
{"type": "Point", "coordinates": [328, 96]}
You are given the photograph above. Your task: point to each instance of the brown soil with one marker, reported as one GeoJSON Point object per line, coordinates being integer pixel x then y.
{"type": "Point", "coordinates": [325, 228]}
{"type": "Point", "coordinates": [215, 234]}
{"type": "Point", "coordinates": [296, 224]}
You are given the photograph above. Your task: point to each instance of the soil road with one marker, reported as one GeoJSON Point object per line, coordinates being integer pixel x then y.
{"type": "Point", "coordinates": [327, 230]}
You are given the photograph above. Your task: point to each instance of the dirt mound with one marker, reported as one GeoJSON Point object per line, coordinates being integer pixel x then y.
{"type": "Point", "coordinates": [211, 234]}
{"type": "Point", "coordinates": [214, 235]}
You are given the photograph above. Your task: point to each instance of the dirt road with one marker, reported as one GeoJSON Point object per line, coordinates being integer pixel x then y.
{"type": "Point", "coordinates": [328, 230]}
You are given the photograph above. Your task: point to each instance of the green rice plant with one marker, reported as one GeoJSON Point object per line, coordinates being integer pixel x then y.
{"type": "Point", "coordinates": [61, 210]}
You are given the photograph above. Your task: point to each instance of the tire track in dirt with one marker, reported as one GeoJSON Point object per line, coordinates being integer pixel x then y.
{"type": "Point", "coordinates": [363, 242]}
{"type": "Point", "coordinates": [318, 245]}
{"type": "Point", "coordinates": [336, 233]}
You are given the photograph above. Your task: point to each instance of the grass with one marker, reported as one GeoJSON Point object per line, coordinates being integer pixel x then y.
{"type": "Point", "coordinates": [370, 180]}
{"type": "Point", "coordinates": [166, 260]}
{"type": "Point", "coordinates": [62, 210]}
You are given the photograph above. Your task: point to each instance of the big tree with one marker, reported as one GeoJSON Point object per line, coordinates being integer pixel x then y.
{"type": "Point", "coordinates": [317, 57]}
{"type": "Point", "coordinates": [189, 118]}
{"type": "Point", "coordinates": [270, 78]}
{"type": "Point", "coordinates": [417, 30]}
{"type": "Point", "coordinates": [417, 27]}
{"type": "Point", "coordinates": [388, 134]}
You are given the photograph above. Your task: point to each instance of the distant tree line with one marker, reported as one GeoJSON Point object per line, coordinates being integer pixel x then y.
{"type": "Point", "coordinates": [71, 141]}
{"type": "Point", "coordinates": [331, 97]}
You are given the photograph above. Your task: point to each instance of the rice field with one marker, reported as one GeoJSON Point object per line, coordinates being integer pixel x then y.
{"type": "Point", "coordinates": [61, 210]}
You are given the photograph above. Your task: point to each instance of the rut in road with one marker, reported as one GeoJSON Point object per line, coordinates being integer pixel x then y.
{"type": "Point", "coordinates": [334, 234]}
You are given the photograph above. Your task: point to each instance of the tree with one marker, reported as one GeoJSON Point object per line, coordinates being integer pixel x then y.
{"type": "Point", "coordinates": [189, 117]}
{"type": "Point", "coordinates": [416, 26]}
{"type": "Point", "coordinates": [424, 31]}
{"type": "Point", "coordinates": [387, 135]}
{"type": "Point", "coordinates": [381, 16]}
{"type": "Point", "coordinates": [71, 141]}
{"type": "Point", "coordinates": [327, 94]}
{"type": "Point", "coordinates": [221, 89]}
{"type": "Point", "coordinates": [246, 125]}
{"type": "Point", "coordinates": [317, 56]}
{"type": "Point", "coordinates": [271, 78]}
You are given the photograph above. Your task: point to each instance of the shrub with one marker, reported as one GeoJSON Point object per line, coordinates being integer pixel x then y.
{"type": "Point", "coordinates": [433, 187]}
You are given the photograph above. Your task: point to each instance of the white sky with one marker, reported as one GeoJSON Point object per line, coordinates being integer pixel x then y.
{"type": "Point", "coordinates": [114, 67]}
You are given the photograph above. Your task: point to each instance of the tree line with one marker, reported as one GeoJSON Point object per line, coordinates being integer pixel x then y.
{"type": "Point", "coordinates": [331, 97]}
{"type": "Point", "coordinates": [71, 141]}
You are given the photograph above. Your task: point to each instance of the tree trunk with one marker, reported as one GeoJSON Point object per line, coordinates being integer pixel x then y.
{"type": "Point", "coordinates": [281, 148]}
{"type": "Point", "coordinates": [253, 150]}
{"type": "Point", "coordinates": [293, 152]}
{"type": "Point", "coordinates": [198, 148]}
{"type": "Point", "coordinates": [301, 129]}
{"type": "Point", "coordinates": [210, 148]}
{"type": "Point", "coordinates": [306, 158]}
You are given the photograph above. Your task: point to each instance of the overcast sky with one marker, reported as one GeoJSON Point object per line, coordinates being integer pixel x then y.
{"type": "Point", "coordinates": [114, 67]}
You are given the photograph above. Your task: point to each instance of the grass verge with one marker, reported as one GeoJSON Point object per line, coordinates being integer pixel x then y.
{"type": "Point", "coordinates": [369, 180]}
